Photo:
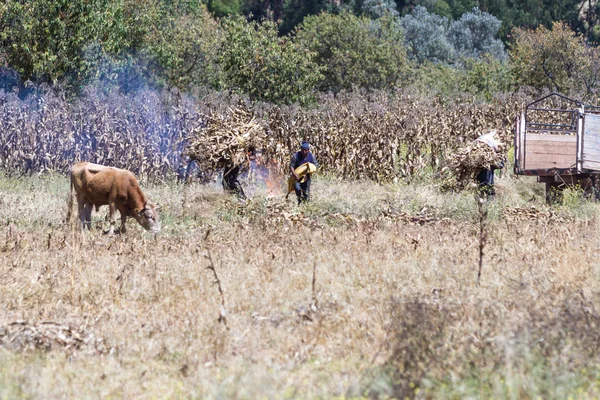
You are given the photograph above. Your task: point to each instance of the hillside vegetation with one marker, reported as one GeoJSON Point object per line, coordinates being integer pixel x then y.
{"type": "Point", "coordinates": [282, 52]}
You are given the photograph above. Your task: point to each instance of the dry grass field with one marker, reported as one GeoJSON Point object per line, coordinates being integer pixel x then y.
{"type": "Point", "coordinates": [368, 291]}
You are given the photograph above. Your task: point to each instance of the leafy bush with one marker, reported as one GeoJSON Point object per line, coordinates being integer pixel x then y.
{"type": "Point", "coordinates": [378, 8]}
{"type": "Point", "coordinates": [182, 48]}
{"type": "Point", "coordinates": [425, 36]}
{"type": "Point", "coordinates": [433, 38]}
{"type": "Point", "coordinates": [122, 26]}
{"type": "Point", "coordinates": [222, 8]}
{"type": "Point", "coordinates": [438, 79]}
{"type": "Point", "coordinates": [294, 11]}
{"type": "Point", "coordinates": [71, 42]}
{"type": "Point", "coordinates": [474, 35]}
{"type": "Point", "coordinates": [256, 61]}
{"type": "Point", "coordinates": [557, 59]}
{"type": "Point", "coordinates": [485, 78]}
{"type": "Point", "coordinates": [170, 43]}
{"type": "Point", "coordinates": [43, 39]}
{"type": "Point", "coordinates": [355, 51]}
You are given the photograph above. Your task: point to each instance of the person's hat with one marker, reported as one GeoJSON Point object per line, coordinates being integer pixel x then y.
{"type": "Point", "coordinates": [305, 146]}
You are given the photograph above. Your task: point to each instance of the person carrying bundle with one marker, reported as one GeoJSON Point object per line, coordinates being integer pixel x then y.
{"type": "Point", "coordinates": [231, 183]}
{"type": "Point", "coordinates": [485, 176]}
{"type": "Point", "coordinates": [302, 165]}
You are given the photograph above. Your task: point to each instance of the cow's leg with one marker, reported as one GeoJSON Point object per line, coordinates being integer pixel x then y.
{"type": "Point", "coordinates": [88, 214]}
{"type": "Point", "coordinates": [81, 211]}
{"type": "Point", "coordinates": [123, 220]}
{"type": "Point", "coordinates": [111, 217]}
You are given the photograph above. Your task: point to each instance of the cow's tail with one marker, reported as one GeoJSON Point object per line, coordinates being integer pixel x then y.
{"type": "Point", "coordinates": [70, 200]}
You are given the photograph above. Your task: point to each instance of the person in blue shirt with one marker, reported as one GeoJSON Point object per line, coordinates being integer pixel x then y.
{"type": "Point", "coordinates": [302, 189]}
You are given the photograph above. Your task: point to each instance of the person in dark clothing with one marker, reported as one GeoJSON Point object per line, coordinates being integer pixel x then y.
{"type": "Point", "coordinates": [302, 189]}
{"type": "Point", "coordinates": [485, 180]}
{"type": "Point", "coordinates": [231, 183]}
{"type": "Point", "coordinates": [485, 177]}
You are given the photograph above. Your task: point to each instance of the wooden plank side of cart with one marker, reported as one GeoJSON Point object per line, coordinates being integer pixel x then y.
{"type": "Point", "coordinates": [591, 142]}
{"type": "Point", "coordinates": [546, 151]}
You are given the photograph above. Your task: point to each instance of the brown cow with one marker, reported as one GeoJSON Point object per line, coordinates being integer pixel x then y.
{"type": "Point", "coordinates": [97, 185]}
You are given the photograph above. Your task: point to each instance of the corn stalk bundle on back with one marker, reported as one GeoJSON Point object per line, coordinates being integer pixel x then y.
{"type": "Point", "coordinates": [225, 139]}
{"type": "Point", "coordinates": [468, 160]}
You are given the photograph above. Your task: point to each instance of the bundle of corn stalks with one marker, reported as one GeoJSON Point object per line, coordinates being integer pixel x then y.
{"type": "Point", "coordinates": [22, 336]}
{"type": "Point", "coordinates": [225, 139]}
{"type": "Point", "coordinates": [467, 161]}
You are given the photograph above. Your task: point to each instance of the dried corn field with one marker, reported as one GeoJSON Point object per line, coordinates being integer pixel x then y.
{"type": "Point", "coordinates": [48, 133]}
{"type": "Point", "coordinates": [376, 137]}
{"type": "Point", "coordinates": [368, 291]}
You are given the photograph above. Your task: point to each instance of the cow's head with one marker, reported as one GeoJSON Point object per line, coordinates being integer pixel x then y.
{"type": "Point", "coordinates": [148, 217]}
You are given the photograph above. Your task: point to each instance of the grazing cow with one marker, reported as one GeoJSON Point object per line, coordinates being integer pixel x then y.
{"type": "Point", "coordinates": [97, 185]}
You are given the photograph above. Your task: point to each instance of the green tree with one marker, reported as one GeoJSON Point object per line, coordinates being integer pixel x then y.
{"type": "Point", "coordinates": [295, 11]}
{"type": "Point", "coordinates": [532, 13]}
{"type": "Point", "coordinates": [258, 10]}
{"type": "Point", "coordinates": [43, 40]}
{"type": "Point", "coordinates": [483, 78]}
{"type": "Point", "coordinates": [438, 7]}
{"type": "Point", "coordinates": [487, 76]}
{"type": "Point", "coordinates": [122, 26]}
{"type": "Point", "coordinates": [222, 8]}
{"type": "Point", "coordinates": [355, 51]}
{"type": "Point", "coordinates": [475, 34]}
{"type": "Point", "coordinates": [459, 7]}
{"type": "Point", "coordinates": [181, 47]}
{"type": "Point", "coordinates": [557, 59]}
{"type": "Point", "coordinates": [117, 35]}
{"type": "Point", "coordinates": [125, 42]}
{"type": "Point", "coordinates": [256, 61]}
{"type": "Point", "coordinates": [426, 36]}
{"type": "Point", "coordinates": [378, 8]}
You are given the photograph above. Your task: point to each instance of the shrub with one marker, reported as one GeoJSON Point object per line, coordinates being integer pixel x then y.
{"type": "Point", "coordinates": [425, 36]}
{"type": "Point", "coordinates": [256, 61]}
{"type": "Point", "coordinates": [43, 39]}
{"type": "Point", "coordinates": [487, 76]}
{"type": "Point", "coordinates": [182, 48]}
{"type": "Point", "coordinates": [379, 8]}
{"type": "Point", "coordinates": [474, 35]}
{"type": "Point", "coordinates": [557, 59]}
{"type": "Point", "coordinates": [355, 51]}
{"type": "Point", "coordinates": [222, 8]}
{"type": "Point", "coordinates": [71, 42]}
{"type": "Point", "coordinates": [295, 11]}
{"type": "Point", "coordinates": [430, 37]}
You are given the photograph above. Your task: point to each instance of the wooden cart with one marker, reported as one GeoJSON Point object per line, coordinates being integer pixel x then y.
{"type": "Point", "coordinates": [561, 146]}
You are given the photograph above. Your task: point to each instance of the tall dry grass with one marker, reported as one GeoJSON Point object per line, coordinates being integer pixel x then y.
{"type": "Point", "coordinates": [398, 309]}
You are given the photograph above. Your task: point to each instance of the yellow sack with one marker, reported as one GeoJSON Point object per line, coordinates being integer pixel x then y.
{"type": "Point", "coordinates": [302, 171]}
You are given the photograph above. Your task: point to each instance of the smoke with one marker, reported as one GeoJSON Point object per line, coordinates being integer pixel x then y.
{"type": "Point", "coordinates": [142, 131]}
